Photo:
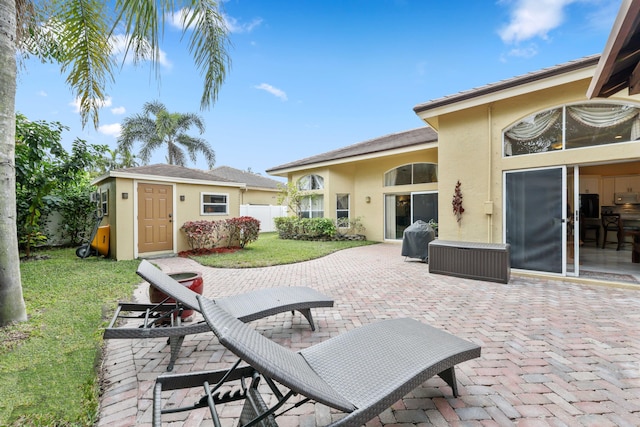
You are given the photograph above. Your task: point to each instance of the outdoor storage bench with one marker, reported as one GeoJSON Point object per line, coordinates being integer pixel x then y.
{"type": "Point", "coordinates": [481, 261]}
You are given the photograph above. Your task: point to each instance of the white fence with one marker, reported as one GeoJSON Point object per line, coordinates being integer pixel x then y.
{"type": "Point", "coordinates": [264, 214]}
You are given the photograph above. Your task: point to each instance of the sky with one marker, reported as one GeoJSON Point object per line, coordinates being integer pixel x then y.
{"type": "Point", "coordinates": [311, 76]}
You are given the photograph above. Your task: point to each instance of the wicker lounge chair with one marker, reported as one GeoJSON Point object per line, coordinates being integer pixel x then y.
{"type": "Point", "coordinates": [361, 372]}
{"type": "Point", "coordinates": [163, 320]}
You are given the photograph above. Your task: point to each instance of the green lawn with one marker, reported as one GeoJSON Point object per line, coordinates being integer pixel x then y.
{"type": "Point", "coordinates": [270, 250]}
{"type": "Point", "coordinates": [48, 365]}
{"type": "Point", "coordinates": [49, 377]}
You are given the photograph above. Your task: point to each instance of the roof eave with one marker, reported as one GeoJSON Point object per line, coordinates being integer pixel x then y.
{"type": "Point", "coordinates": [500, 92]}
{"type": "Point", "coordinates": [607, 80]}
{"type": "Point", "coordinates": [283, 172]}
{"type": "Point", "coordinates": [160, 178]}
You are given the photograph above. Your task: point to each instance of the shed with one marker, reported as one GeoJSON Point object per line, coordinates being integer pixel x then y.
{"type": "Point", "coordinates": [146, 206]}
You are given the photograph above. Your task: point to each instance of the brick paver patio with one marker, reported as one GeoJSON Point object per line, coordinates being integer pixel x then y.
{"type": "Point", "coordinates": [554, 353]}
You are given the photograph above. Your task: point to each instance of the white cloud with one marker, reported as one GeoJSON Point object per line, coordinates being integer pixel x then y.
{"type": "Point", "coordinates": [118, 110]}
{"type": "Point", "coordinates": [272, 90]}
{"type": "Point", "coordinates": [113, 129]}
{"type": "Point", "coordinates": [119, 44]}
{"type": "Point", "coordinates": [533, 18]}
{"type": "Point", "coordinates": [43, 93]}
{"type": "Point", "coordinates": [233, 25]}
{"type": "Point", "coordinates": [100, 104]}
{"type": "Point", "coordinates": [524, 52]}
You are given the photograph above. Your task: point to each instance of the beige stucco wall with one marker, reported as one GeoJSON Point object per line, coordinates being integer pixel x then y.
{"type": "Point", "coordinates": [122, 214]}
{"type": "Point", "coordinates": [365, 178]}
{"type": "Point", "coordinates": [259, 197]}
{"type": "Point", "coordinates": [470, 150]}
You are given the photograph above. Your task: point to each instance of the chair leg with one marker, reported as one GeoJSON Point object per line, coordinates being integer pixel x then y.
{"type": "Point", "coordinates": [620, 237]}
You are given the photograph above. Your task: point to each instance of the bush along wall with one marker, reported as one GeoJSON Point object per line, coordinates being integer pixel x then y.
{"type": "Point", "coordinates": [232, 232]}
{"type": "Point", "coordinates": [294, 228]}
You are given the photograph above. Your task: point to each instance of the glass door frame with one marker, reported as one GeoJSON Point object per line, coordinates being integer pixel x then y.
{"type": "Point", "coordinates": [563, 219]}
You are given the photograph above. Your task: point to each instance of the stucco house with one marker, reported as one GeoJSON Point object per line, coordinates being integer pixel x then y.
{"type": "Point", "coordinates": [387, 182]}
{"type": "Point", "coordinates": [260, 190]}
{"type": "Point", "coordinates": [146, 206]}
{"type": "Point", "coordinates": [525, 150]}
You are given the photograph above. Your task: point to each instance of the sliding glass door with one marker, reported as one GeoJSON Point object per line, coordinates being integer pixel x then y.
{"type": "Point", "coordinates": [535, 219]}
{"type": "Point", "coordinates": [402, 210]}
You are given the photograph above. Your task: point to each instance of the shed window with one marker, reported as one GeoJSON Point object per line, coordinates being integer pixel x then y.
{"type": "Point", "coordinates": [214, 204]}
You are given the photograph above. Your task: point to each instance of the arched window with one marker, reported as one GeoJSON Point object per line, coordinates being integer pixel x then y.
{"type": "Point", "coordinates": [413, 173]}
{"type": "Point", "coordinates": [311, 182]}
{"type": "Point", "coordinates": [573, 126]}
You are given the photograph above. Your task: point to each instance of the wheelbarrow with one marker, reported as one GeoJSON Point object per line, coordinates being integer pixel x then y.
{"type": "Point", "coordinates": [98, 242]}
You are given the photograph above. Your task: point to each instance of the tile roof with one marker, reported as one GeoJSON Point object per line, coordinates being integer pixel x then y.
{"type": "Point", "coordinates": [544, 73]}
{"type": "Point", "coordinates": [172, 171]}
{"type": "Point", "coordinates": [251, 179]}
{"type": "Point", "coordinates": [392, 141]}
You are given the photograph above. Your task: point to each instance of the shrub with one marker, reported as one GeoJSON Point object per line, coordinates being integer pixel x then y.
{"type": "Point", "coordinates": [305, 228]}
{"type": "Point", "coordinates": [228, 232]}
{"type": "Point", "coordinates": [244, 229]}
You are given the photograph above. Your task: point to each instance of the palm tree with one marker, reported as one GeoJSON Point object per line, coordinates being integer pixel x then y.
{"type": "Point", "coordinates": [77, 35]}
{"type": "Point", "coordinates": [167, 129]}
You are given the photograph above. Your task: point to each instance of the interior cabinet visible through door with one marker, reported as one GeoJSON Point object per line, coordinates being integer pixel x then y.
{"type": "Point", "coordinates": [608, 190]}
{"type": "Point", "coordinates": [589, 184]}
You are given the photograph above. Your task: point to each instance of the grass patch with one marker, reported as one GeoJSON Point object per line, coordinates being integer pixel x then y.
{"type": "Point", "coordinates": [270, 250]}
{"type": "Point", "coordinates": [48, 365]}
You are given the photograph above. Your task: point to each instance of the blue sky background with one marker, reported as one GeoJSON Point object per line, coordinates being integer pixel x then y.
{"type": "Point", "coordinates": [311, 76]}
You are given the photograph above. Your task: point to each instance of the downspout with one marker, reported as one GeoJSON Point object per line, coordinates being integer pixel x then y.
{"type": "Point", "coordinates": [489, 202]}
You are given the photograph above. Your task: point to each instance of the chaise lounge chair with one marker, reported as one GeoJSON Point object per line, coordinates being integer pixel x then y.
{"type": "Point", "coordinates": [361, 372]}
{"type": "Point", "coordinates": [163, 320]}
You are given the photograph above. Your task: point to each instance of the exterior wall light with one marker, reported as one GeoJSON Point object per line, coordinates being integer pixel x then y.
{"type": "Point", "coordinates": [182, 197]}
{"type": "Point", "coordinates": [367, 199]}
{"type": "Point", "coordinates": [125, 196]}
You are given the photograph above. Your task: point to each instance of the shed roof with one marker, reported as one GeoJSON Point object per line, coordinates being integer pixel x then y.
{"type": "Point", "coordinates": [170, 173]}
{"type": "Point", "coordinates": [418, 136]}
{"type": "Point", "coordinates": [249, 178]}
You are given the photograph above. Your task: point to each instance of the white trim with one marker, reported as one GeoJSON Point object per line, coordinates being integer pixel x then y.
{"type": "Point", "coordinates": [509, 93]}
{"type": "Point", "coordinates": [158, 178]}
{"type": "Point", "coordinates": [356, 158]}
{"type": "Point", "coordinates": [211, 193]}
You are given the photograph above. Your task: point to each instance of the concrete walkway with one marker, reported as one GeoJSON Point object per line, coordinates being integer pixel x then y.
{"type": "Point", "coordinates": [554, 353]}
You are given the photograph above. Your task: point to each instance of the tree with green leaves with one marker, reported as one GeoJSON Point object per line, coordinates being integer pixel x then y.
{"type": "Point", "coordinates": [156, 127]}
{"type": "Point", "coordinates": [44, 168]}
{"type": "Point", "coordinates": [77, 35]}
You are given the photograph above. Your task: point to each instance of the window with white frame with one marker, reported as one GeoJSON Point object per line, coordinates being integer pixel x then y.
{"type": "Point", "coordinates": [573, 126]}
{"type": "Point", "coordinates": [342, 210]}
{"type": "Point", "coordinates": [104, 202]}
{"type": "Point", "coordinates": [311, 182]}
{"type": "Point", "coordinates": [312, 206]}
{"type": "Point", "coordinates": [214, 204]}
{"type": "Point", "coordinates": [413, 173]}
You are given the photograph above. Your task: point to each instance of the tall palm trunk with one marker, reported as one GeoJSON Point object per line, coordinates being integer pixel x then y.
{"type": "Point", "coordinates": [12, 306]}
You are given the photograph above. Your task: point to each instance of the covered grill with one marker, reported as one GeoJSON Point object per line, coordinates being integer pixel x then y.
{"type": "Point", "coordinates": [415, 240]}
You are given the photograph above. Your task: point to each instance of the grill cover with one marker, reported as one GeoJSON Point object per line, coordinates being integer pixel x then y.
{"type": "Point", "coordinates": [415, 240]}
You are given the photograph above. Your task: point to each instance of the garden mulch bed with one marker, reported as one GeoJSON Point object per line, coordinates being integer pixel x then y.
{"type": "Point", "coordinates": [208, 251]}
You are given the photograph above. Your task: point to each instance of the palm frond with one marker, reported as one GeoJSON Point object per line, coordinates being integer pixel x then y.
{"type": "Point", "coordinates": [141, 21]}
{"type": "Point", "coordinates": [208, 44]}
{"type": "Point", "coordinates": [197, 146]}
{"type": "Point", "coordinates": [85, 52]}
